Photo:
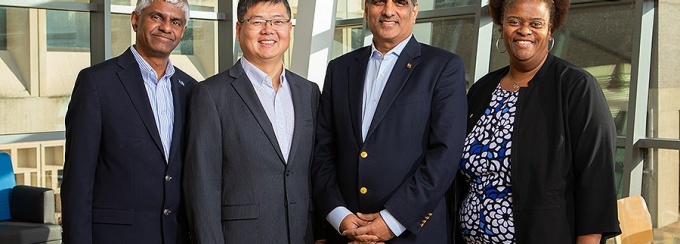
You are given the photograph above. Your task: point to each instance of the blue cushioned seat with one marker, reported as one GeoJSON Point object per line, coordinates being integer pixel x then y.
{"type": "Point", "coordinates": [26, 212]}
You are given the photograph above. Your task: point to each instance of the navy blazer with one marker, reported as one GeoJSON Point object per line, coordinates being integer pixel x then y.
{"type": "Point", "coordinates": [411, 152]}
{"type": "Point", "coordinates": [118, 187]}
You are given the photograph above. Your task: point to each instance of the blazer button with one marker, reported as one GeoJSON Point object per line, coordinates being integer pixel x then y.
{"type": "Point", "coordinates": [363, 190]}
{"type": "Point", "coordinates": [168, 178]}
{"type": "Point", "coordinates": [166, 212]}
{"type": "Point", "coordinates": [363, 154]}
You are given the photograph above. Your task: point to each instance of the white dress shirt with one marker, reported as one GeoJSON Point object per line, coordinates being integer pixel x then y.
{"type": "Point", "coordinates": [277, 104]}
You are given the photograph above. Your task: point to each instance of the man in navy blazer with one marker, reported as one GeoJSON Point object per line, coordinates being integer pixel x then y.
{"type": "Point", "coordinates": [124, 136]}
{"type": "Point", "coordinates": [391, 125]}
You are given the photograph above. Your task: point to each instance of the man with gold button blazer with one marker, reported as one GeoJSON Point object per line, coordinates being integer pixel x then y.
{"type": "Point", "coordinates": [391, 125]}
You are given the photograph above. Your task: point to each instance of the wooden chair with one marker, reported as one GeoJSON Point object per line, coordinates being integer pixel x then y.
{"type": "Point", "coordinates": [635, 221]}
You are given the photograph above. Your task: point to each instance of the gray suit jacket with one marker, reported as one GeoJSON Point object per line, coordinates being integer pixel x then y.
{"type": "Point", "coordinates": [238, 187]}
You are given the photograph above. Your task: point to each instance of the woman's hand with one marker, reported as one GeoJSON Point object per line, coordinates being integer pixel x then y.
{"type": "Point", "coordinates": [589, 239]}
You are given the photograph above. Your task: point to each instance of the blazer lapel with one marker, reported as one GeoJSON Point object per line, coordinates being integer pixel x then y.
{"type": "Point", "coordinates": [131, 78]}
{"type": "Point", "coordinates": [178, 96]}
{"type": "Point", "coordinates": [357, 77]}
{"type": "Point", "coordinates": [401, 72]}
{"type": "Point", "coordinates": [298, 96]}
{"type": "Point", "coordinates": [245, 89]}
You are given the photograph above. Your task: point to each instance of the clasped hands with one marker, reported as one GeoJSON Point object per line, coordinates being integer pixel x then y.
{"type": "Point", "coordinates": [366, 228]}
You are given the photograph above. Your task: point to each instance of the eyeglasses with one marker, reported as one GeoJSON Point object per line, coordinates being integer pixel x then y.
{"type": "Point", "coordinates": [258, 23]}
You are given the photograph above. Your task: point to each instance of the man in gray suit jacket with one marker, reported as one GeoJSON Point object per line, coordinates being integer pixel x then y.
{"type": "Point", "coordinates": [250, 138]}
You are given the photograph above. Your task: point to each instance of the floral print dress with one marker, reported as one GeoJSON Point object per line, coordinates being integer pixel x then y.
{"type": "Point", "coordinates": [486, 212]}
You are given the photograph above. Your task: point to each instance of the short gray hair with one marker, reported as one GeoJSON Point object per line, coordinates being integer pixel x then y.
{"type": "Point", "coordinates": [182, 4]}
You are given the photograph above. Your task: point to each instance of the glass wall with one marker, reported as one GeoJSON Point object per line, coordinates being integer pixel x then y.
{"type": "Point", "coordinates": [68, 31]}
{"type": "Point", "coordinates": [198, 5]}
{"type": "Point", "coordinates": [36, 80]}
{"type": "Point", "coordinates": [660, 188]}
{"type": "Point", "coordinates": [452, 34]}
{"type": "Point", "coordinates": [661, 174]}
{"type": "Point", "coordinates": [350, 9]}
{"type": "Point", "coordinates": [3, 29]}
{"type": "Point", "coordinates": [346, 39]}
{"type": "Point", "coordinates": [440, 4]}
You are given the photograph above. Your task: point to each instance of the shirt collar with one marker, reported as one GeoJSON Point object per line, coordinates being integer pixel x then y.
{"type": "Point", "coordinates": [147, 70]}
{"type": "Point", "coordinates": [257, 76]}
{"type": "Point", "coordinates": [395, 51]}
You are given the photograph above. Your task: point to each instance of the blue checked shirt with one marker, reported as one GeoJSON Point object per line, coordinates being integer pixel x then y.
{"type": "Point", "coordinates": [160, 98]}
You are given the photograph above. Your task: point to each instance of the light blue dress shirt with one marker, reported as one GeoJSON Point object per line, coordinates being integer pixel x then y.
{"type": "Point", "coordinates": [160, 98]}
{"type": "Point", "coordinates": [277, 104]}
{"type": "Point", "coordinates": [377, 73]}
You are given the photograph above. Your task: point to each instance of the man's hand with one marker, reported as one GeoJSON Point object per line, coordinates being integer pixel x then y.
{"type": "Point", "coordinates": [352, 222]}
{"type": "Point", "coordinates": [375, 231]}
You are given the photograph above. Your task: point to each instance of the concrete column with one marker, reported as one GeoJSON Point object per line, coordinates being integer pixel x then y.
{"type": "Point", "coordinates": [313, 39]}
{"type": "Point", "coordinates": [665, 117]}
{"type": "Point", "coordinates": [23, 43]}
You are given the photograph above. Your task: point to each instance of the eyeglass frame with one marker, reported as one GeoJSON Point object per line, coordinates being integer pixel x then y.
{"type": "Point", "coordinates": [271, 21]}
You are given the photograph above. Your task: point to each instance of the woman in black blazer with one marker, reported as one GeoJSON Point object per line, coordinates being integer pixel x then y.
{"type": "Point", "coordinates": [538, 161]}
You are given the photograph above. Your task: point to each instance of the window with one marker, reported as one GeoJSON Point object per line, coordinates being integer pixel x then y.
{"type": "Point", "coordinates": [67, 31]}
{"type": "Point", "coordinates": [452, 34]}
{"type": "Point", "coordinates": [346, 39]}
{"type": "Point", "coordinates": [3, 28]}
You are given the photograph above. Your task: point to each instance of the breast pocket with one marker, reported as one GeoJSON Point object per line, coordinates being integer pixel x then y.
{"type": "Point", "coordinates": [411, 99]}
{"type": "Point", "coordinates": [113, 216]}
{"type": "Point", "coordinates": [240, 212]}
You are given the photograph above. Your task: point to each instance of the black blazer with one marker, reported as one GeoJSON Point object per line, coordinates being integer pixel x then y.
{"type": "Point", "coordinates": [563, 147]}
{"type": "Point", "coordinates": [411, 147]}
{"type": "Point", "coordinates": [118, 187]}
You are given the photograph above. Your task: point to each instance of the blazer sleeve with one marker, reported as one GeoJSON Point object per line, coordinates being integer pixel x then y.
{"type": "Point", "coordinates": [593, 138]}
{"type": "Point", "coordinates": [83, 138]}
{"type": "Point", "coordinates": [203, 167]}
{"type": "Point", "coordinates": [426, 187]}
{"type": "Point", "coordinates": [324, 179]}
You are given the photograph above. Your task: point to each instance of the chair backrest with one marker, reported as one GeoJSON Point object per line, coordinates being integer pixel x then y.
{"type": "Point", "coordinates": [635, 221]}
{"type": "Point", "coordinates": [7, 182]}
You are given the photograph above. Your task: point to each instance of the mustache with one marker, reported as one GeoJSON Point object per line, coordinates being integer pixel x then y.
{"type": "Point", "coordinates": [163, 34]}
{"type": "Point", "coordinates": [385, 19]}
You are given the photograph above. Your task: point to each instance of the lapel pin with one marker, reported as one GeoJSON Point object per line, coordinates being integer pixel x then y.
{"type": "Point", "coordinates": [181, 82]}
{"type": "Point", "coordinates": [408, 65]}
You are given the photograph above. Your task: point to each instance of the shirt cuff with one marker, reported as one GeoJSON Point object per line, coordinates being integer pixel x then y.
{"type": "Point", "coordinates": [336, 216]}
{"type": "Point", "coordinates": [394, 225]}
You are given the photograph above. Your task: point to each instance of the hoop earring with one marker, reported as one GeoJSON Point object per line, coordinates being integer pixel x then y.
{"type": "Point", "coordinates": [497, 46]}
{"type": "Point", "coordinates": [552, 44]}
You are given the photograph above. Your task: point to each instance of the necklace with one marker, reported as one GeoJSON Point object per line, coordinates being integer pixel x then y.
{"type": "Point", "coordinates": [515, 85]}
